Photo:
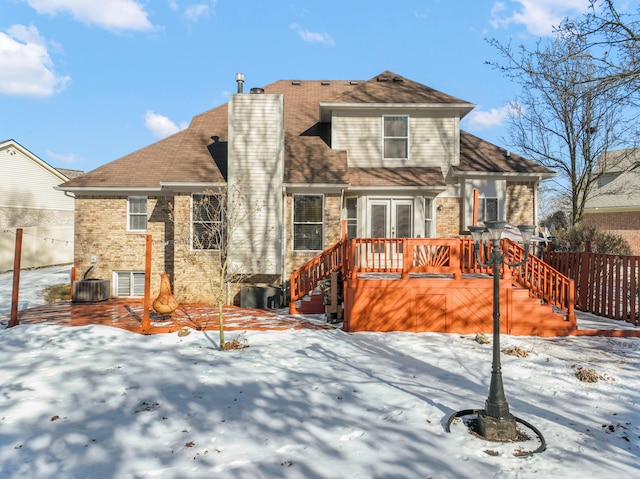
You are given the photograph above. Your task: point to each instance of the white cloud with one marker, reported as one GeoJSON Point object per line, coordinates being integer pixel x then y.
{"type": "Point", "coordinates": [161, 126]}
{"type": "Point", "coordinates": [26, 69]}
{"type": "Point", "coordinates": [482, 120]}
{"type": "Point", "coordinates": [62, 157]}
{"type": "Point", "coordinates": [112, 15]}
{"type": "Point", "coordinates": [194, 12]}
{"type": "Point", "coordinates": [539, 17]}
{"type": "Point", "coordinates": [312, 37]}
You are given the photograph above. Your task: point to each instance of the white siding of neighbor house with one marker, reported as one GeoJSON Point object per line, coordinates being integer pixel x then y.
{"type": "Point", "coordinates": [256, 163]}
{"type": "Point", "coordinates": [28, 182]}
{"type": "Point", "coordinates": [433, 138]}
{"type": "Point", "coordinates": [29, 201]}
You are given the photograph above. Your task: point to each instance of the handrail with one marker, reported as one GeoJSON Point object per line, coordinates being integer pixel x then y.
{"type": "Point", "coordinates": [541, 279]}
{"type": "Point", "coordinates": [306, 278]}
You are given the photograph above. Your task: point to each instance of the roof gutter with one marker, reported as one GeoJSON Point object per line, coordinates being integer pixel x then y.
{"type": "Point", "coordinates": [327, 107]}
{"type": "Point", "coordinates": [485, 174]}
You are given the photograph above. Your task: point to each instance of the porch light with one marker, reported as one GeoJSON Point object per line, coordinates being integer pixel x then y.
{"type": "Point", "coordinates": [476, 233]}
{"type": "Point", "coordinates": [526, 231]}
{"type": "Point", "coordinates": [495, 422]}
{"type": "Point", "coordinates": [495, 228]}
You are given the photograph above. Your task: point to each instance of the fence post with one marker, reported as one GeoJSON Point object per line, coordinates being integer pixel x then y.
{"type": "Point", "coordinates": [13, 320]}
{"type": "Point", "coordinates": [585, 268]}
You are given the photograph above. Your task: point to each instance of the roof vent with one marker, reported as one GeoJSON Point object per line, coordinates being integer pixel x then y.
{"type": "Point", "coordinates": [383, 78]}
{"type": "Point", "coordinates": [240, 81]}
{"type": "Point", "coordinates": [295, 82]}
{"type": "Point", "coordinates": [325, 83]}
{"type": "Point", "coordinates": [257, 91]}
{"type": "Point", "coordinates": [353, 82]}
{"type": "Point", "coordinates": [398, 79]}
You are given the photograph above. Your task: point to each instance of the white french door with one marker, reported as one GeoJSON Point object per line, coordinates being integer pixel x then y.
{"type": "Point", "coordinates": [391, 218]}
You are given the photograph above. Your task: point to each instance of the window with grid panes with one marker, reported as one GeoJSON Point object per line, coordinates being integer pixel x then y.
{"type": "Point", "coordinates": [129, 283]}
{"type": "Point", "coordinates": [308, 227]}
{"type": "Point", "coordinates": [137, 213]}
{"type": "Point", "coordinates": [395, 133]}
{"type": "Point", "coordinates": [207, 227]}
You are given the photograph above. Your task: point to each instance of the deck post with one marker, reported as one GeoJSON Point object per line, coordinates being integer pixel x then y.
{"type": "Point", "coordinates": [17, 255]}
{"type": "Point", "coordinates": [146, 320]}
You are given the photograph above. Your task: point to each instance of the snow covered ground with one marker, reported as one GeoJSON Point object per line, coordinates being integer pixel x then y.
{"type": "Point", "coordinates": [99, 402]}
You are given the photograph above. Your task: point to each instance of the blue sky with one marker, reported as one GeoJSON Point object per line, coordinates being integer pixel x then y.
{"type": "Point", "coordinates": [84, 82]}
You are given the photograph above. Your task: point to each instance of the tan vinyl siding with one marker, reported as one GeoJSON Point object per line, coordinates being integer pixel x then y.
{"type": "Point", "coordinates": [256, 162]}
{"type": "Point", "coordinates": [433, 139]}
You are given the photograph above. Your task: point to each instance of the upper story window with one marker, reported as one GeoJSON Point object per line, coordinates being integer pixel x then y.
{"type": "Point", "coordinates": [395, 134]}
{"type": "Point", "coordinates": [207, 226]}
{"type": "Point", "coordinates": [137, 213]}
{"type": "Point", "coordinates": [488, 209]}
{"type": "Point", "coordinates": [308, 222]}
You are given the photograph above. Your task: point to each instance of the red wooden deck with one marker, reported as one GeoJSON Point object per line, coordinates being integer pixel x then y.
{"type": "Point", "coordinates": [127, 314]}
{"type": "Point", "coordinates": [435, 284]}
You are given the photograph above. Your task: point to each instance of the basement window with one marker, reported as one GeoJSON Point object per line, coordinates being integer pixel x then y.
{"type": "Point", "coordinates": [128, 283]}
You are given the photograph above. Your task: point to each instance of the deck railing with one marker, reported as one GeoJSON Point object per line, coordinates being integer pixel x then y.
{"type": "Point", "coordinates": [411, 256]}
{"type": "Point", "coordinates": [541, 279]}
{"type": "Point", "coordinates": [306, 278]}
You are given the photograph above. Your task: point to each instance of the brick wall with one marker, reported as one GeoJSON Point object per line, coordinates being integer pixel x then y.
{"type": "Point", "coordinates": [624, 224]}
{"type": "Point", "coordinates": [519, 208]}
{"type": "Point", "coordinates": [449, 217]}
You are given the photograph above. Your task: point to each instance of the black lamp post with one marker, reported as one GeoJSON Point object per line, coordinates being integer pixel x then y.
{"type": "Point", "coordinates": [495, 422]}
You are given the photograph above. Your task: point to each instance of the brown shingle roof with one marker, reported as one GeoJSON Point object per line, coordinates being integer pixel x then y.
{"type": "Point", "coordinates": [405, 176]}
{"type": "Point", "coordinates": [389, 87]}
{"type": "Point", "coordinates": [199, 153]}
{"type": "Point", "coordinates": [477, 155]}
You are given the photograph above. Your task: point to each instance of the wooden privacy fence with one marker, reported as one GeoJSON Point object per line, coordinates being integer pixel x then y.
{"type": "Point", "coordinates": [606, 285]}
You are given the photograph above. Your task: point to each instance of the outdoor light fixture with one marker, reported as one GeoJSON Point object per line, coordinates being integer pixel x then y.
{"type": "Point", "coordinates": [495, 422]}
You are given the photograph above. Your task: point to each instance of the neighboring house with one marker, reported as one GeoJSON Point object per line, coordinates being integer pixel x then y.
{"type": "Point", "coordinates": [386, 155]}
{"type": "Point", "coordinates": [614, 204]}
{"type": "Point", "coordinates": [29, 200]}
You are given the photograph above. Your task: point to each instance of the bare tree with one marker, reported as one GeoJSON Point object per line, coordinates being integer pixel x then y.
{"type": "Point", "coordinates": [562, 119]}
{"type": "Point", "coordinates": [611, 39]}
{"type": "Point", "coordinates": [216, 216]}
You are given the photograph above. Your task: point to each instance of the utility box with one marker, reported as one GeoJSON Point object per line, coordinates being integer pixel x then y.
{"type": "Point", "coordinates": [91, 290]}
{"type": "Point", "coordinates": [261, 297]}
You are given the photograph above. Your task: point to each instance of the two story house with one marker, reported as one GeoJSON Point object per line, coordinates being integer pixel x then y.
{"type": "Point", "coordinates": [386, 157]}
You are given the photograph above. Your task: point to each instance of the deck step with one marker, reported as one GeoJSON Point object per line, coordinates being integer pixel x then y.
{"type": "Point", "coordinates": [531, 316]}
{"type": "Point", "coordinates": [312, 304]}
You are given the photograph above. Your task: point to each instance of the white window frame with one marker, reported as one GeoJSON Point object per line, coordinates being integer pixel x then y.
{"type": "Point", "coordinates": [385, 137]}
{"type": "Point", "coordinates": [429, 223]}
{"type": "Point", "coordinates": [192, 222]}
{"type": "Point", "coordinates": [294, 223]}
{"type": "Point", "coordinates": [132, 284]}
{"type": "Point", "coordinates": [352, 221]}
{"type": "Point", "coordinates": [131, 215]}
{"type": "Point", "coordinates": [482, 208]}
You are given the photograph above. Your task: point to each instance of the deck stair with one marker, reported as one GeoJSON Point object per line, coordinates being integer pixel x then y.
{"type": "Point", "coordinates": [311, 303]}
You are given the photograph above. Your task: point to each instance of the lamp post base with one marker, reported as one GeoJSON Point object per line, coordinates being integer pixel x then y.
{"type": "Point", "coordinates": [497, 429]}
